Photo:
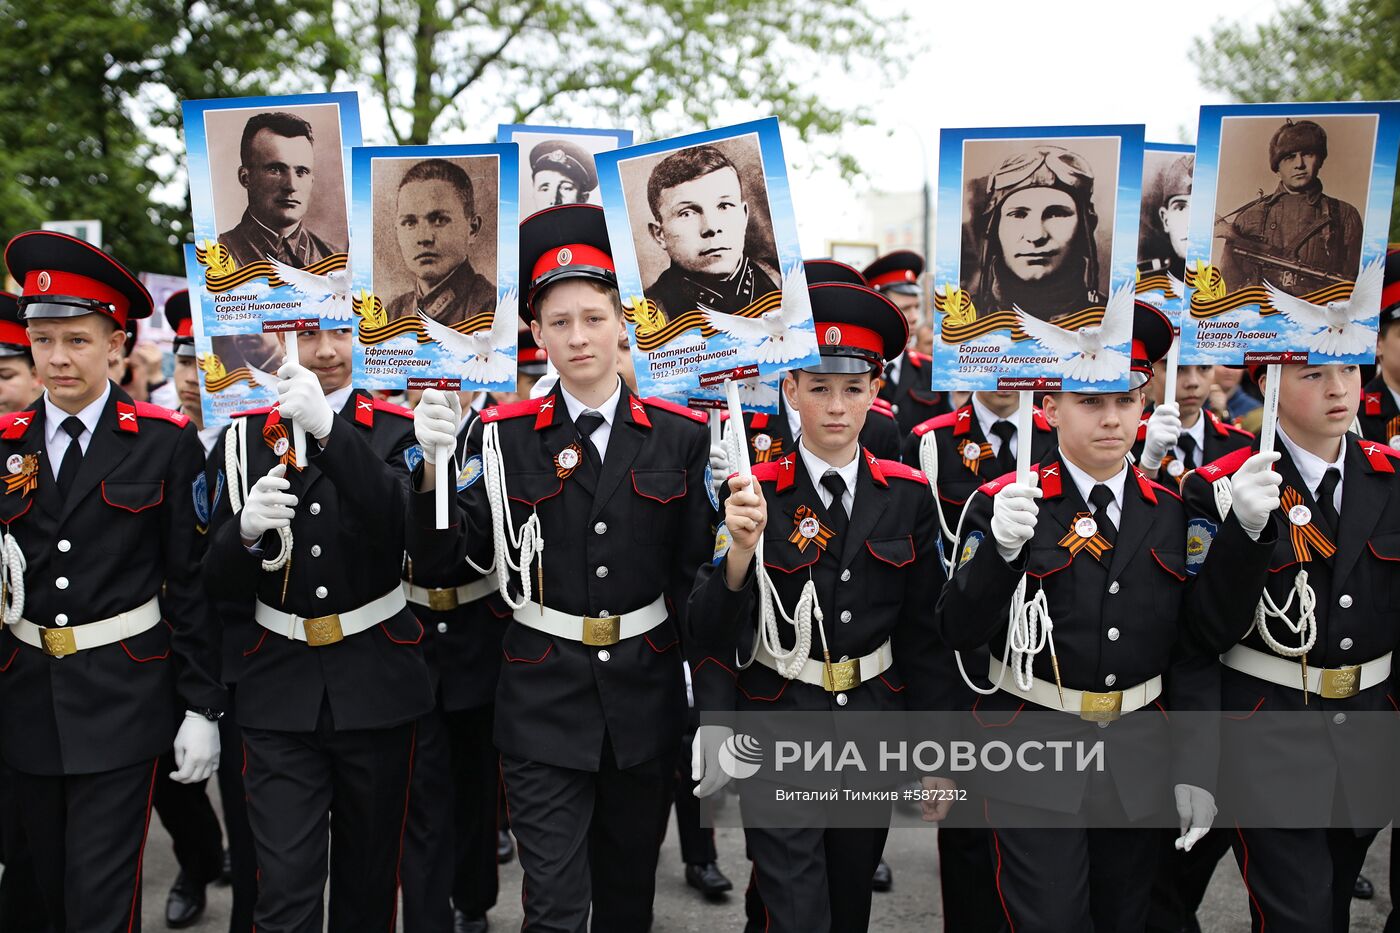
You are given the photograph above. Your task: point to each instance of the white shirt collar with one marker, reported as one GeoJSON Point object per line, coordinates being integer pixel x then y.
{"type": "Point", "coordinates": [817, 467]}
{"type": "Point", "coordinates": [1197, 431]}
{"type": "Point", "coordinates": [986, 417]}
{"type": "Point", "coordinates": [337, 399]}
{"type": "Point", "coordinates": [1393, 394]}
{"type": "Point", "coordinates": [1086, 483]}
{"type": "Point", "coordinates": [607, 409]}
{"type": "Point", "coordinates": [1310, 466]}
{"type": "Point", "coordinates": [89, 416]}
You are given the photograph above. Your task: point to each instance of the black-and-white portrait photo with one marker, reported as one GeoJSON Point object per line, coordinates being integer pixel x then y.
{"type": "Point", "coordinates": [556, 165]}
{"type": "Point", "coordinates": [435, 238]}
{"type": "Point", "coordinates": [1037, 223]}
{"type": "Point", "coordinates": [256, 351]}
{"type": "Point", "coordinates": [702, 227]}
{"type": "Point", "coordinates": [1287, 200]}
{"type": "Point", "coordinates": [1166, 211]}
{"type": "Point", "coordinates": [278, 179]}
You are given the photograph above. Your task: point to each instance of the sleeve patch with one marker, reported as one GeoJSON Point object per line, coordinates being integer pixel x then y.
{"type": "Point", "coordinates": [721, 543]}
{"type": "Point", "coordinates": [969, 548]}
{"type": "Point", "coordinates": [470, 473]}
{"type": "Point", "coordinates": [1199, 535]}
{"type": "Point", "coordinates": [413, 456]}
{"type": "Point", "coordinates": [200, 492]}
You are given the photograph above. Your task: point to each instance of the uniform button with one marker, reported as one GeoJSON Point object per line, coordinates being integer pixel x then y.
{"type": "Point", "coordinates": [442, 628]}
{"type": "Point", "coordinates": [61, 583]}
{"type": "Point", "coordinates": [841, 699]}
{"type": "Point", "coordinates": [1110, 680]}
{"type": "Point", "coordinates": [1344, 601]}
{"type": "Point", "coordinates": [844, 659]}
{"type": "Point", "coordinates": [1114, 587]}
{"type": "Point", "coordinates": [604, 655]}
{"type": "Point", "coordinates": [1339, 718]}
{"type": "Point", "coordinates": [601, 572]}
{"type": "Point", "coordinates": [601, 528]}
{"type": "Point", "coordinates": [61, 619]}
{"type": "Point", "coordinates": [315, 508]}
{"type": "Point", "coordinates": [1103, 725]}
{"type": "Point", "coordinates": [894, 409]}
{"type": "Point", "coordinates": [1346, 644]}
{"type": "Point", "coordinates": [845, 576]}
{"type": "Point", "coordinates": [315, 550]}
{"type": "Point", "coordinates": [845, 615]}
{"type": "Point", "coordinates": [321, 592]}
{"type": "Point", "coordinates": [65, 545]}
{"type": "Point", "coordinates": [1113, 634]}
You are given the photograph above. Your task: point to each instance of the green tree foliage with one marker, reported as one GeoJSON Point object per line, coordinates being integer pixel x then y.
{"type": "Point", "coordinates": [1312, 50]}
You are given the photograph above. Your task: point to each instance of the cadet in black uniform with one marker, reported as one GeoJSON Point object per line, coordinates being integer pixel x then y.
{"type": "Point", "coordinates": [327, 701]}
{"type": "Point", "coordinates": [591, 703]}
{"type": "Point", "coordinates": [1380, 400]}
{"type": "Point", "coordinates": [108, 645]}
{"type": "Point", "coordinates": [1179, 437]}
{"type": "Point", "coordinates": [1105, 548]}
{"type": "Point", "coordinates": [833, 513]}
{"type": "Point", "coordinates": [908, 383]}
{"type": "Point", "coordinates": [1333, 535]}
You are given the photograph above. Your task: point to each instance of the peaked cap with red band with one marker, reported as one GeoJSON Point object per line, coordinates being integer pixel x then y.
{"type": "Point", "coordinates": [62, 276]}
{"type": "Point", "coordinates": [823, 271]}
{"type": "Point", "coordinates": [531, 359]}
{"type": "Point", "coordinates": [557, 243]}
{"type": "Point", "coordinates": [14, 339]}
{"type": "Point", "coordinates": [1152, 338]}
{"type": "Point", "coordinates": [857, 328]}
{"type": "Point", "coordinates": [177, 314]}
{"type": "Point", "coordinates": [898, 271]}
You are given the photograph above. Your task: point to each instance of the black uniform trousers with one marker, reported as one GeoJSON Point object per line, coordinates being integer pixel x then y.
{"type": "Point", "coordinates": [188, 816]}
{"type": "Point", "coordinates": [294, 781]}
{"type": "Point", "coordinates": [21, 908]}
{"type": "Point", "coordinates": [967, 880]}
{"type": "Point", "coordinates": [588, 836]}
{"type": "Point", "coordinates": [697, 842]}
{"type": "Point", "coordinates": [1309, 877]}
{"type": "Point", "coordinates": [1182, 879]}
{"type": "Point", "coordinates": [87, 835]}
{"type": "Point", "coordinates": [243, 860]}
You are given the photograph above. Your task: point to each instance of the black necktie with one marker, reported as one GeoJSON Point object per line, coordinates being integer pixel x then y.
{"type": "Point", "coordinates": [73, 456]}
{"type": "Point", "coordinates": [1005, 459]}
{"type": "Point", "coordinates": [1100, 498]}
{"type": "Point", "coordinates": [1326, 493]}
{"type": "Point", "coordinates": [1187, 443]}
{"type": "Point", "coordinates": [835, 485]}
{"type": "Point", "coordinates": [586, 423]}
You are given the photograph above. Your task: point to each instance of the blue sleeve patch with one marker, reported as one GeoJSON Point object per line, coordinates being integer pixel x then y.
{"type": "Point", "coordinates": [970, 545]}
{"type": "Point", "coordinates": [1199, 534]}
{"type": "Point", "coordinates": [200, 494]}
{"type": "Point", "coordinates": [218, 492]}
{"type": "Point", "coordinates": [710, 487]}
{"type": "Point", "coordinates": [721, 543]}
{"type": "Point", "coordinates": [471, 472]}
{"type": "Point", "coordinates": [413, 456]}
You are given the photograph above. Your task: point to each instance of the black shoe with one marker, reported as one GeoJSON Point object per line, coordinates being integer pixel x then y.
{"type": "Point", "coordinates": [185, 904]}
{"type": "Point", "coordinates": [884, 878]}
{"type": "Point", "coordinates": [226, 870]}
{"type": "Point", "coordinates": [708, 880]}
{"type": "Point", "coordinates": [461, 923]}
{"type": "Point", "coordinates": [505, 847]}
{"type": "Point", "coordinates": [1363, 890]}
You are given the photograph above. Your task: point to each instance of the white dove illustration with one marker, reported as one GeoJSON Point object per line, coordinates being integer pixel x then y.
{"type": "Point", "coordinates": [754, 393]}
{"type": "Point", "coordinates": [483, 355]}
{"type": "Point", "coordinates": [1340, 334]}
{"type": "Point", "coordinates": [1085, 353]}
{"type": "Point", "coordinates": [331, 291]}
{"type": "Point", "coordinates": [265, 379]}
{"type": "Point", "coordinates": [777, 335]}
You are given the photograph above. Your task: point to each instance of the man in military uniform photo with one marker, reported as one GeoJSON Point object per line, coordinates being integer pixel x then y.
{"type": "Point", "coordinates": [590, 705]}
{"type": "Point", "coordinates": [1295, 237]}
{"type": "Point", "coordinates": [109, 659]}
{"type": "Point", "coordinates": [437, 224]}
{"type": "Point", "coordinates": [907, 385]}
{"type": "Point", "coordinates": [1166, 213]}
{"type": "Point", "coordinates": [277, 169]}
{"type": "Point", "coordinates": [561, 172]}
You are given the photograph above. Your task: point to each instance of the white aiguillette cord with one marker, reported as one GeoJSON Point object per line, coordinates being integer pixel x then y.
{"type": "Point", "coordinates": [12, 567]}
{"type": "Point", "coordinates": [236, 467]}
{"type": "Point", "coordinates": [515, 549]}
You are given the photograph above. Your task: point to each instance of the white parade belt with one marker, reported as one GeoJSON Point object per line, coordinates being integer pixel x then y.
{"type": "Point", "coordinates": [443, 599]}
{"type": "Point", "coordinates": [63, 641]}
{"type": "Point", "coordinates": [845, 675]}
{"type": "Point", "coordinates": [1329, 683]}
{"type": "Point", "coordinates": [595, 631]}
{"type": "Point", "coordinates": [327, 630]}
{"type": "Point", "coordinates": [1086, 704]}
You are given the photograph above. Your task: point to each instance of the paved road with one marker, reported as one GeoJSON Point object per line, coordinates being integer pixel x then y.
{"type": "Point", "coordinates": [912, 907]}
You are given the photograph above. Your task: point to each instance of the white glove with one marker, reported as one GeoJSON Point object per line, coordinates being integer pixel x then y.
{"type": "Point", "coordinates": [435, 422]}
{"type": "Point", "coordinates": [1013, 518]}
{"type": "Point", "coordinates": [300, 398]}
{"type": "Point", "coordinates": [269, 505]}
{"type": "Point", "coordinates": [1254, 488]}
{"type": "Point", "coordinates": [719, 467]}
{"type": "Point", "coordinates": [704, 759]}
{"type": "Point", "coordinates": [1196, 809]}
{"type": "Point", "coordinates": [196, 749]}
{"type": "Point", "coordinates": [1163, 429]}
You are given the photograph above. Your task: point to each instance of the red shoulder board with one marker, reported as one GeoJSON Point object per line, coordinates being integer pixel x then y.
{"type": "Point", "coordinates": [1372, 403]}
{"type": "Point", "coordinates": [917, 358]}
{"type": "Point", "coordinates": [998, 484]}
{"type": "Point", "coordinates": [387, 406]}
{"type": "Point", "coordinates": [758, 422]}
{"type": "Point", "coordinates": [962, 420]}
{"type": "Point", "coordinates": [1038, 419]}
{"type": "Point", "coordinates": [1142, 429]}
{"type": "Point", "coordinates": [1226, 465]}
{"type": "Point", "coordinates": [674, 408]}
{"type": "Point", "coordinates": [885, 412]}
{"type": "Point", "coordinates": [1224, 428]}
{"type": "Point", "coordinates": [14, 424]}
{"type": "Point", "coordinates": [147, 410]}
{"type": "Point", "coordinates": [878, 402]}
{"type": "Point", "coordinates": [126, 418]}
{"type": "Point", "coordinates": [528, 406]}
{"type": "Point", "coordinates": [896, 470]}
{"type": "Point", "coordinates": [266, 409]}
{"type": "Point", "coordinates": [364, 410]}
{"type": "Point", "coordinates": [638, 411]}
{"type": "Point", "coordinates": [937, 421]}
{"type": "Point", "coordinates": [1149, 487]}
{"type": "Point", "coordinates": [1379, 455]}
{"type": "Point", "coordinates": [783, 471]}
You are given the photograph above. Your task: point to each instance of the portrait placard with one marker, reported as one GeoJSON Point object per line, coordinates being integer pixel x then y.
{"type": "Point", "coordinates": [1163, 227]}
{"type": "Point", "coordinates": [235, 368]}
{"type": "Point", "coordinates": [556, 163]}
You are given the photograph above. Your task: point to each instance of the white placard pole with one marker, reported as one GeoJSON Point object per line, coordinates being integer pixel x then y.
{"type": "Point", "coordinates": [293, 355]}
{"type": "Point", "coordinates": [1268, 429]}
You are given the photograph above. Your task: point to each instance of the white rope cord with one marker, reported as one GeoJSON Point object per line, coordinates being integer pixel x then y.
{"type": "Point", "coordinates": [236, 468]}
{"type": "Point", "coordinates": [12, 567]}
{"type": "Point", "coordinates": [928, 463]}
{"type": "Point", "coordinates": [527, 542]}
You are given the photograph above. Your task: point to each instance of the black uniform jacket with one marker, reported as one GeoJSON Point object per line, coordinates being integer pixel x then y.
{"type": "Point", "coordinates": [1222, 438]}
{"type": "Point", "coordinates": [1379, 415]}
{"type": "Point", "coordinates": [347, 550]}
{"type": "Point", "coordinates": [127, 532]}
{"type": "Point", "coordinates": [770, 436]}
{"type": "Point", "coordinates": [613, 543]}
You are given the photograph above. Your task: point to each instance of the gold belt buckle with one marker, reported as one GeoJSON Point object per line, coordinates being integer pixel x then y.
{"type": "Point", "coordinates": [601, 631]}
{"type": "Point", "coordinates": [59, 642]}
{"type": "Point", "coordinates": [1100, 707]}
{"type": "Point", "coordinates": [323, 630]}
{"type": "Point", "coordinates": [840, 676]}
{"type": "Point", "coordinates": [1340, 683]}
{"type": "Point", "coordinates": [442, 599]}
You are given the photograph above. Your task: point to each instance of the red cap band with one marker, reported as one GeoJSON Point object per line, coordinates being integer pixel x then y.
{"type": "Point", "coordinates": [893, 277]}
{"type": "Point", "coordinates": [571, 254]}
{"type": "Point", "coordinates": [1390, 294]}
{"type": "Point", "coordinates": [532, 355]}
{"type": "Point", "coordinates": [13, 333]}
{"type": "Point", "coordinates": [185, 328]}
{"type": "Point", "coordinates": [850, 335]}
{"type": "Point", "coordinates": [41, 282]}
